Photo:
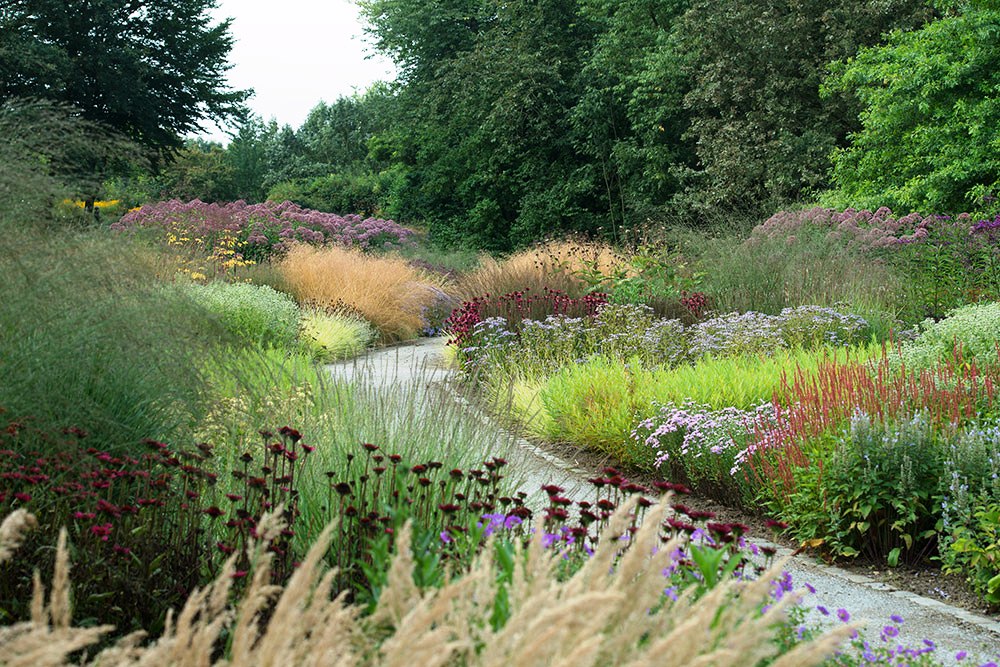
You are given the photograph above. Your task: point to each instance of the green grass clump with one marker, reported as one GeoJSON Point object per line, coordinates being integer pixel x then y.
{"type": "Point", "coordinates": [970, 331]}
{"type": "Point", "coordinates": [256, 314]}
{"type": "Point", "coordinates": [743, 381]}
{"type": "Point", "coordinates": [595, 404]}
{"type": "Point", "coordinates": [330, 337]}
{"type": "Point", "coordinates": [89, 339]}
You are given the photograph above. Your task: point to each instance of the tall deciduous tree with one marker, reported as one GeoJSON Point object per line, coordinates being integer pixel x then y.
{"type": "Point", "coordinates": [762, 133]}
{"type": "Point", "coordinates": [930, 136]}
{"type": "Point", "coordinates": [153, 70]}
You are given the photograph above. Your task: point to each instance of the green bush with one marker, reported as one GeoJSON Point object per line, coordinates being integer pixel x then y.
{"type": "Point", "coordinates": [256, 314]}
{"type": "Point", "coordinates": [869, 490]}
{"type": "Point", "coordinates": [971, 488]}
{"type": "Point", "coordinates": [971, 331]}
{"type": "Point", "coordinates": [330, 337]}
{"type": "Point", "coordinates": [362, 194]}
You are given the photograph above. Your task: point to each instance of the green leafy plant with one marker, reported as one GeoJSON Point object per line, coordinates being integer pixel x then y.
{"type": "Point", "coordinates": [966, 334]}
{"type": "Point", "coordinates": [975, 550]}
{"type": "Point", "coordinates": [870, 490]}
{"type": "Point", "coordinates": [255, 314]}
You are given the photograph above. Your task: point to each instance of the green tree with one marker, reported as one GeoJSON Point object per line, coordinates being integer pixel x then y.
{"type": "Point", "coordinates": [152, 70]}
{"type": "Point", "coordinates": [200, 170]}
{"type": "Point", "coordinates": [630, 119]}
{"type": "Point", "coordinates": [761, 131]}
{"type": "Point", "coordinates": [930, 135]}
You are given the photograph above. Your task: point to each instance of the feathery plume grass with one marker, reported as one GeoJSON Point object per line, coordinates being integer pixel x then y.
{"type": "Point", "coordinates": [611, 611]}
{"type": "Point", "coordinates": [386, 291]}
{"type": "Point", "coordinates": [12, 532]}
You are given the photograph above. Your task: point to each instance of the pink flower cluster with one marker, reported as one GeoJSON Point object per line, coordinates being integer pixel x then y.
{"type": "Point", "coordinates": [865, 229]}
{"type": "Point", "coordinates": [267, 227]}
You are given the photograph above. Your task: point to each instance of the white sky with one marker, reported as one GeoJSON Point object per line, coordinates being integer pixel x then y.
{"type": "Point", "coordinates": [295, 53]}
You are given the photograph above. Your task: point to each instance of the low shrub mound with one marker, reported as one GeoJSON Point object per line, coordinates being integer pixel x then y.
{"type": "Point", "coordinates": [255, 314]}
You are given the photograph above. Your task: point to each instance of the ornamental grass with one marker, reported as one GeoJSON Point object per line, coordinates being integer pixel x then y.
{"type": "Point", "coordinates": [611, 611]}
{"type": "Point", "coordinates": [386, 291]}
{"type": "Point", "coordinates": [557, 265]}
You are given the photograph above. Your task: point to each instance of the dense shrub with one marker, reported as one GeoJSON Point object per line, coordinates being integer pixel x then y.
{"type": "Point", "coordinates": [360, 194]}
{"type": "Point", "coordinates": [869, 489]}
{"type": "Point", "coordinates": [256, 314]}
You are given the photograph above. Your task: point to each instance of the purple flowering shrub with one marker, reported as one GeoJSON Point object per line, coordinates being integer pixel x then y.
{"type": "Point", "coordinates": [805, 327]}
{"type": "Point", "coordinates": [265, 229]}
{"type": "Point", "coordinates": [626, 332]}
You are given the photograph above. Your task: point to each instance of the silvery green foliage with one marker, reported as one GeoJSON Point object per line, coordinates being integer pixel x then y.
{"type": "Point", "coordinates": [972, 331]}
{"type": "Point", "coordinates": [757, 333]}
{"type": "Point", "coordinates": [971, 470]}
{"type": "Point", "coordinates": [632, 332]}
{"type": "Point", "coordinates": [255, 313]}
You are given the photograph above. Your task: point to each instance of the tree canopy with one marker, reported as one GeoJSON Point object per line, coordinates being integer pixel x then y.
{"type": "Point", "coordinates": [153, 71]}
{"type": "Point", "coordinates": [930, 135]}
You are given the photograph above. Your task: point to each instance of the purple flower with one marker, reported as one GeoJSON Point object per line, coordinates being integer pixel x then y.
{"type": "Point", "coordinates": [823, 610]}
{"type": "Point", "coordinates": [843, 615]}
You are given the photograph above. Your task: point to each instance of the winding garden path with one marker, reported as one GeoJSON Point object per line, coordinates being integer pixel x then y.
{"type": "Point", "coordinates": [950, 628]}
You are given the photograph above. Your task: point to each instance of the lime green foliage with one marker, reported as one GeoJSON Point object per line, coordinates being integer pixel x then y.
{"type": "Point", "coordinates": [597, 403]}
{"type": "Point", "coordinates": [971, 331]}
{"type": "Point", "coordinates": [594, 405]}
{"type": "Point", "coordinates": [931, 117]}
{"type": "Point", "coordinates": [744, 381]}
{"type": "Point", "coordinates": [256, 314]}
{"type": "Point", "coordinates": [329, 337]}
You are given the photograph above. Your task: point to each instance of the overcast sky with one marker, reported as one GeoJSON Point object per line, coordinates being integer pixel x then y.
{"type": "Point", "coordinates": [294, 53]}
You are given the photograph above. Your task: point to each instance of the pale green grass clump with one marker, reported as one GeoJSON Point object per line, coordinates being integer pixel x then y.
{"type": "Point", "coordinates": [599, 616]}
{"type": "Point", "coordinates": [329, 337]}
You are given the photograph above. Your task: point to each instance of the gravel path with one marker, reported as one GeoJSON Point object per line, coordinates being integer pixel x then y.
{"type": "Point", "coordinates": [951, 629]}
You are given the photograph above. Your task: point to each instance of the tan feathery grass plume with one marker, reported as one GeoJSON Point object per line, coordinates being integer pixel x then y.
{"type": "Point", "coordinates": [12, 531]}
{"type": "Point", "coordinates": [611, 611]}
{"type": "Point", "coordinates": [388, 292]}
